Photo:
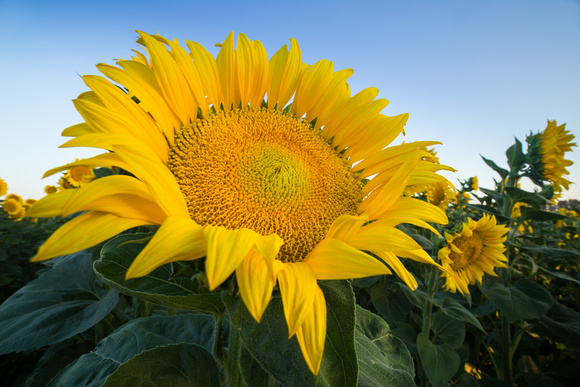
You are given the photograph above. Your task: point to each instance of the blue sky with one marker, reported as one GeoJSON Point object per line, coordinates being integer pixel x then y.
{"type": "Point", "coordinates": [471, 74]}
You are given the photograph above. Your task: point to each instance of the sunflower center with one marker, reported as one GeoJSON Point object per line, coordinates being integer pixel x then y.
{"type": "Point", "coordinates": [266, 171]}
{"type": "Point", "coordinates": [471, 247]}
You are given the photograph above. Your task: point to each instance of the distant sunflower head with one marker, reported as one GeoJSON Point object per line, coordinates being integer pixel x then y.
{"type": "Point", "coordinates": [471, 252]}
{"type": "Point", "coordinates": [547, 151]}
{"type": "Point", "coordinates": [277, 193]}
{"type": "Point", "coordinates": [473, 183]}
{"type": "Point", "coordinates": [50, 189]}
{"type": "Point", "coordinates": [440, 194]}
{"type": "Point", "coordinates": [12, 206]}
{"type": "Point", "coordinates": [3, 187]}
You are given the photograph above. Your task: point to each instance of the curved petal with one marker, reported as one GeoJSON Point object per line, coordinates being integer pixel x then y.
{"type": "Point", "coordinates": [400, 269]}
{"type": "Point", "coordinates": [253, 276]}
{"type": "Point", "coordinates": [297, 286]}
{"type": "Point", "coordinates": [83, 232]}
{"type": "Point", "coordinates": [346, 226]}
{"type": "Point", "coordinates": [285, 69]}
{"type": "Point", "coordinates": [209, 72]}
{"type": "Point", "coordinates": [314, 82]}
{"type": "Point", "coordinates": [178, 239]}
{"type": "Point", "coordinates": [77, 130]}
{"type": "Point", "coordinates": [312, 333]}
{"type": "Point", "coordinates": [268, 247]}
{"type": "Point", "coordinates": [102, 160]}
{"type": "Point", "coordinates": [51, 205]}
{"type": "Point", "coordinates": [226, 249]}
{"type": "Point", "coordinates": [228, 70]}
{"type": "Point", "coordinates": [334, 259]}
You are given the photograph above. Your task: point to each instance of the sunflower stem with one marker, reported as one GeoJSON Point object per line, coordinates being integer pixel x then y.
{"type": "Point", "coordinates": [218, 347]}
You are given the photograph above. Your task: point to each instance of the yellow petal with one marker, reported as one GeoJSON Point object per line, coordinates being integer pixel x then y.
{"type": "Point", "coordinates": [314, 82]}
{"type": "Point", "coordinates": [400, 269]}
{"type": "Point", "coordinates": [102, 160]}
{"type": "Point", "coordinates": [77, 130]}
{"type": "Point", "coordinates": [334, 96]}
{"type": "Point", "coordinates": [226, 249]}
{"type": "Point", "coordinates": [261, 74]}
{"type": "Point", "coordinates": [171, 80]}
{"type": "Point", "coordinates": [383, 239]}
{"type": "Point", "coordinates": [285, 69]}
{"type": "Point", "coordinates": [297, 286]}
{"type": "Point", "coordinates": [334, 259]}
{"type": "Point", "coordinates": [311, 334]}
{"type": "Point", "coordinates": [178, 239]}
{"type": "Point", "coordinates": [157, 177]}
{"type": "Point", "coordinates": [51, 205]}
{"type": "Point", "coordinates": [254, 280]}
{"type": "Point", "coordinates": [346, 226]}
{"type": "Point", "coordinates": [140, 80]}
{"type": "Point", "coordinates": [227, 64]}
{"type": "Point", "coordinates": [268, 247]}
{"type": "Point", "coordinates": [208, 71]}
{"type": "Point", "coordinates": [83, 232]}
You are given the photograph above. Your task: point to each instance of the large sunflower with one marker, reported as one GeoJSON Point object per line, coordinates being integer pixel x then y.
{"type": "Point", "coordinates": [472, 252]}
{"type": "Point", "coordinates": [258, 187]}
{"type": "Point", "coordinates": [547, 151]}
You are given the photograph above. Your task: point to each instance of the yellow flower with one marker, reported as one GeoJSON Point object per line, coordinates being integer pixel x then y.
{"type": "Point", "coordinates": [3, 187]}
{"type": "Point", "coordinates": [475, 250]}
{"type": "Point", "coordinates": [473, 184]}
{"type": "Point", "coordinates": [12, 206]}
{"type": "Point", "coordinates": [50, 189]}
{"type": "Point", "coordinates": [79, 176]}
{"type": "Point", "coordinates": [440, 194]}
{"type": "Point", "coordinates": [262, 189]}
{"type": "Point", "coordinates": [547, 152]}
{"type": "Point", "coordinates": [14, 197]}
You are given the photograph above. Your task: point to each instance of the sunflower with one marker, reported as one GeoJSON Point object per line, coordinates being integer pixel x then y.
{"type": "Point", "coordinates": [258, 187]}
{"type": "Point", "coordinates": [473, 251]}
{"type": "Point", "coordinates": [440, 194]}
{"type": "Point", "coordinates": [50, 189]}
{"type": "Point", "coordinates": [473, 183]}
{"type": "Point", "coordinates": [3, 187]}
{"type": "Point", "coordinates": [547, 151]}
{"type": "Point", "coordinates": [12, 207]}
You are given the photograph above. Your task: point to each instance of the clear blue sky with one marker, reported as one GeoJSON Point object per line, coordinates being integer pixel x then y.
{"type": "Point", "coordinates": [471, 74]}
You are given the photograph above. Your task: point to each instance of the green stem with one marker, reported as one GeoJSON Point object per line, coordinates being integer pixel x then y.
{"type": "Point", "coordinates": [507, 351]}
{"type": "Point", "coordinates": [218, 350]}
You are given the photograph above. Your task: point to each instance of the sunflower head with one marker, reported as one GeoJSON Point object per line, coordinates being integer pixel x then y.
{"type": "Point", "coordinates": [3, 187]}
{"type": "Point", "coordinates": [440, 194]}
{"type": "Point", "coordinates": [546, 155]}
{"type": "Point", "coordinates": [277, 193]}
{"type": "Point", "coordinates": [50, 189]}
{"type": "Point", "coordinates": [12, 207]}
{"type": "Point", "coordinates": [471, 252]}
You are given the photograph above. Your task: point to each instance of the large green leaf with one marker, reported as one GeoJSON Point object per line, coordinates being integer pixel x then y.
{"type": "Point", "coordinates": [519, 195]}
{"type": "Point", "coordinates": [440, 362]}
{"type": "Point", "coordinates": [448, 329]}
{"type": "Point", "coordinates": [454, 309]}
{"type": "Point", "coordinates": [172, 365]}
{"type": "Point", "coordinates": [160, 286]}
{"type": "Point", "coordinates": [394, 305]}
{"type": "Point", "coordinates": [515, 156]}
{"type": "Point", "coordinates": [531, 213]}
{"type": "Point", "coordinates": [133, 338]}
{"type": "Point", "coordinates": [241, 368]}
{"type": "Point", "coordinates": [281, 357]}
{"type": "Point", "coordinates": [59, 304]}
{"type": "Point", "coordinates": [383, 359]}
{"type": "Point", "coordinates": [523, 301]}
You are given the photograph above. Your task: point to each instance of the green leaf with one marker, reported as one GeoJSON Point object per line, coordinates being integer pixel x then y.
{"type": "Point", "coordinates": [519, 195]}
{"type": "Point", "coordinates": [448, 329]}
{"type": "Point", "coordinates": [530, 213]}
{"type": "Point", "coordinates": [524, 300]}
{"type": "Point", "coordinates": [515, 157]}
{"type": "Point", "coordinates": [440, 362]}
{"type": "Point", "coordinates": [133, 338]}
{"type": "Point", "coordinates": [454, 309]}
{"type": "Point", "coordinates": [161, 286]}
{"type": "Point", "coordinates": [59, 304]}
{"type": "Point", "coordinates": [552, 252]}
{"type": "Point", "coordinates": [394, 306]}
{"type": "Point", "coordinates": [502, 172]}
{"type": "Point", "coordinates": [383, 359]}
{"type": "Point", "coordinates": [286, 363]}
{"type": "Point", "coordinates": [173, 365]}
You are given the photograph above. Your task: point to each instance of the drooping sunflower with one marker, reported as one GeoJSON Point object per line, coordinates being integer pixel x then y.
{"type": "Point", "coordinates": [256, 186]}
{"type": "Point", "coordinates": [3, 187]}
{"type": "Point", "coordinates": [12, 207]}
{"type": "Point", "coordinates": [547, 151]}
{"type": "Point", "coordinates": [472, 252]}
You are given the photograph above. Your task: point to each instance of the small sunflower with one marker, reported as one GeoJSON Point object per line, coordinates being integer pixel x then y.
{"type": "Point", "coordinates": [473, 183]}
{"type": "Point", "coordinates": [275, 192]}
{"type": "Point", "coordinates": [547, 151]}
{"type": "Point", "coordinates": [12, 207]}
{"type": "Point", "coordinates": [3, 187]}
{"type": "Point", "coordinates": [50, 189]}
{"type": "Point", "coordinates": [473, 251]}
{"type": "Point", "coordinates": [440, 194]}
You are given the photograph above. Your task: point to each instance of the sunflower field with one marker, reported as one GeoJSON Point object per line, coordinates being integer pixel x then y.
{"type": "Point", "coordinates": [250, 223]}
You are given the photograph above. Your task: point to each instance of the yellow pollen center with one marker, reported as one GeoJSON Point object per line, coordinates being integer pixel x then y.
{"type": "Point", "coordinates": [471, 247]}
{"type": "Point", "coordinates": [266, 171]}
